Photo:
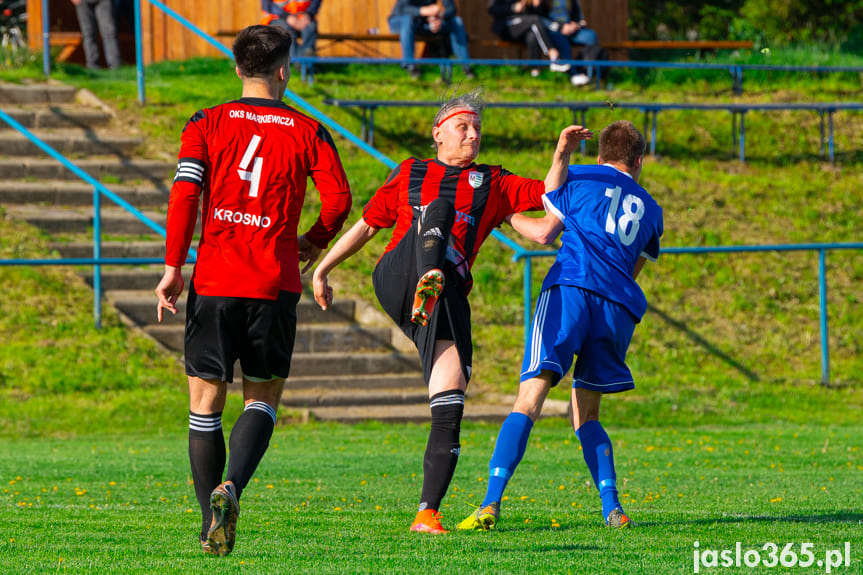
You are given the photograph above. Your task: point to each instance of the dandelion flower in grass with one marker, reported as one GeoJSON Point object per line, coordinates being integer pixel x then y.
{"type": "Point", "coordinates": [776, 500]}
{"type": "Point", "coordinates": [270, 486]}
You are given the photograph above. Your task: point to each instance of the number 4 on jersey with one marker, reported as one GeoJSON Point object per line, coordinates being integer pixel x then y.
{"type": "Point", "coordinates": [633, 211]}
{"type": "Point", "coordinates": [254, 176]}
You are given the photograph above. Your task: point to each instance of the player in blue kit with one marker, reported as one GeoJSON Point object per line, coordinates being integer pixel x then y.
{"type": "Point", "coordinates": [588, 307]}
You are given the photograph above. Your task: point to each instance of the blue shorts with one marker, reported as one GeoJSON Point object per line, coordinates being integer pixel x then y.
{"type": "Point", "coordinates": [571, 321]}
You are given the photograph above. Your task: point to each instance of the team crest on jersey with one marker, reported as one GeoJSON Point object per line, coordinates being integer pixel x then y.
{"type": "Point", "coordinates": [474, 179]}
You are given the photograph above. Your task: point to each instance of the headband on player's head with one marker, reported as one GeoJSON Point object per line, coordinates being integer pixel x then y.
{"type": "Point", "coordinates": [438, 125]}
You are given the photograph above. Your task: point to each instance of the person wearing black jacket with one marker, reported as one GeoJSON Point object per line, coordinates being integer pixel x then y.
{"type": "Point", "coordinates": [526, 21]}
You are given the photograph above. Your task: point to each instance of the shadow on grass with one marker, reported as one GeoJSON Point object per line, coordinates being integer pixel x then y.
{"type": "Point", "coordinates": [698, 339]}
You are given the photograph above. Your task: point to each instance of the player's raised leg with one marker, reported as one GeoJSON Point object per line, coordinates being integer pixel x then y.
{"type": "Point", "coordinates": [435, 226]}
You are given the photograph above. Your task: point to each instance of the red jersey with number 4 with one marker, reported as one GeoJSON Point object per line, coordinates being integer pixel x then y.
{"type": "Point", "coordinates": [252, 159]}
{"type": "Point", "coordinates": [482, 195]}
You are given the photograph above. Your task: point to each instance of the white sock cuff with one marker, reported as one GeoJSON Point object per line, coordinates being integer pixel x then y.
{"type": "Point", "coordinates": [205, 423]}
{"type": "Point", "coordinates": [265, 407]}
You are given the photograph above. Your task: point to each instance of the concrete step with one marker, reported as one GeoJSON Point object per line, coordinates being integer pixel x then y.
{"type": "Point", "coordinates": [140, 307]}
{"type": "Point", "coordinates": [143, 279]}
{"type": "Point", "coordinates": [329, 397]}
{"type": "Point", "coordinates": [310, 338]}
{"type": "Point", "coordinates": [67, 193]}
{"type": "Point", "coordinates": [378, 382]}
{"type": "Point", "coordinates": [146, 278]}
{"type": "Point", "coordinates": [68, 116]}
{"type": "Point", "coordinates": [44, 93]}
{"type": "Point", "coordinates": [79, 220]}
{"type": "Point", "coordinates": [475, 409]}
{"type": "Point", "coordinates": [130, 249]}
{"type": "Point", "coordinates": [69, 142]}
{"type": "Point", "coordinates": [155, 172]}
{"type": "Point", "coordinates": [338, 363]}
{"type": "Point", "coordinates": [345, 366]}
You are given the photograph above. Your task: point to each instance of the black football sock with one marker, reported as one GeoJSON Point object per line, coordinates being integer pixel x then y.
{"type": "Point", "coordinates": [443, 447]}
{"type": "Point", "coordinates": [207, 458]}
{"type": "Point", "coordinates": [249, 440]}
{"type": "Point", "coordinates": [435, 227]}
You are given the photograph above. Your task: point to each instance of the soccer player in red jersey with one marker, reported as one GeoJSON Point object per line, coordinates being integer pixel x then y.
{"type": "Point", "coordinates": [443, 209]}
{"type": "Point", "coordinates": [251, 160]}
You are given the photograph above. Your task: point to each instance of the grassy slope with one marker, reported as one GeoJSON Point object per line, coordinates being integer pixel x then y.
{"type": "Point", "coordinates": [729, 338]}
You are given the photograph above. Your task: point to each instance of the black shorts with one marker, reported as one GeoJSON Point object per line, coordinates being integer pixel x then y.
{"type": "Point", "coordinates": [395, 280]}
{"type": "Point", "coordinates": [258, 332]}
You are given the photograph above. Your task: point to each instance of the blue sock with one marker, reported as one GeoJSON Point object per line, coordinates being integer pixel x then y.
{"type": "Point", "coordinates": [508, 451]}
{"type": "Point", "coordinates": [599, 456]}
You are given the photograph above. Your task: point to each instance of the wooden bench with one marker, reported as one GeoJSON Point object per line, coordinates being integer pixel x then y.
{"type": "Point", "coordinates": [70, 41]}
{"type": "Point", "coordinates": [579, 110]}
{"type": "Point", "coordinates": [362, 40]}
{"type": "Point", "coordinates": [700, 45]}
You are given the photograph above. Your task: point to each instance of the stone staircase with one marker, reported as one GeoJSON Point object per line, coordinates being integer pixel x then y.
{"type": "Point", "coordinates": [350, 364]}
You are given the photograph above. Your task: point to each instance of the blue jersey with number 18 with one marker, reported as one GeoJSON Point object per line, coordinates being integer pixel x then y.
{"type": "Point", "coordinates": [609, 221]}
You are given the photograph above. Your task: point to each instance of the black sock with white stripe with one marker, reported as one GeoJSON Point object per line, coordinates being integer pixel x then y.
{"type": "Point", "coordinates": [207, 458]}
{"type": "Point", "coordinates": [441, 456]}
{"type": "Point", "coordinates": [250, 438]}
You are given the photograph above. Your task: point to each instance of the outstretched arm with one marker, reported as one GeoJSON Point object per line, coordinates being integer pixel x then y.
{"type": "Point", "coordinates": [566, 143]}
{"type": "Point", "coordinates": [542, 230]}
{"type": "Point", "coordinates": [348, 245]}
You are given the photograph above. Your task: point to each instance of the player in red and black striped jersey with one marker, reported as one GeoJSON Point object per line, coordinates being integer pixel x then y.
{"type": "Point", "coordinates": [247, 163]}
{"type": "Point", "coordinates": [443, 209]}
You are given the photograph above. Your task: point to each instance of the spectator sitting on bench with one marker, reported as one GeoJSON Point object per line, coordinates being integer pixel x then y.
{"type": "Point", "coordinates": [526, 21]}
{"type": "Point", "coordinates": [410, 18]}
{"type": "Point", "coordinates": [569, 28]}
{"type": "Point", "coordinates": [298, 17]}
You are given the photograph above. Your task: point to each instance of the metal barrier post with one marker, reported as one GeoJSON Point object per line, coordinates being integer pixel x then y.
{"type": "Point", "coordinates": [46, 40]}
{"type": "Point", "coordinates": [822, 304]}
{"type": "Point", "coordinates": [97, 255]}
{"type": "Point", "coordinates": [139, 58]}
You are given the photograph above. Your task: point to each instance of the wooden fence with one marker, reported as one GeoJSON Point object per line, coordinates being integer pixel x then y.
{"type": "Point", "coordinates": [165, 39]}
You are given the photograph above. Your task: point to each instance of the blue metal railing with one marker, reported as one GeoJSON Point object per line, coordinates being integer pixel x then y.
{"type": "Point", "coordinates": [98, 191]}
{"type": "Point", "coordinates": [822, 249]}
